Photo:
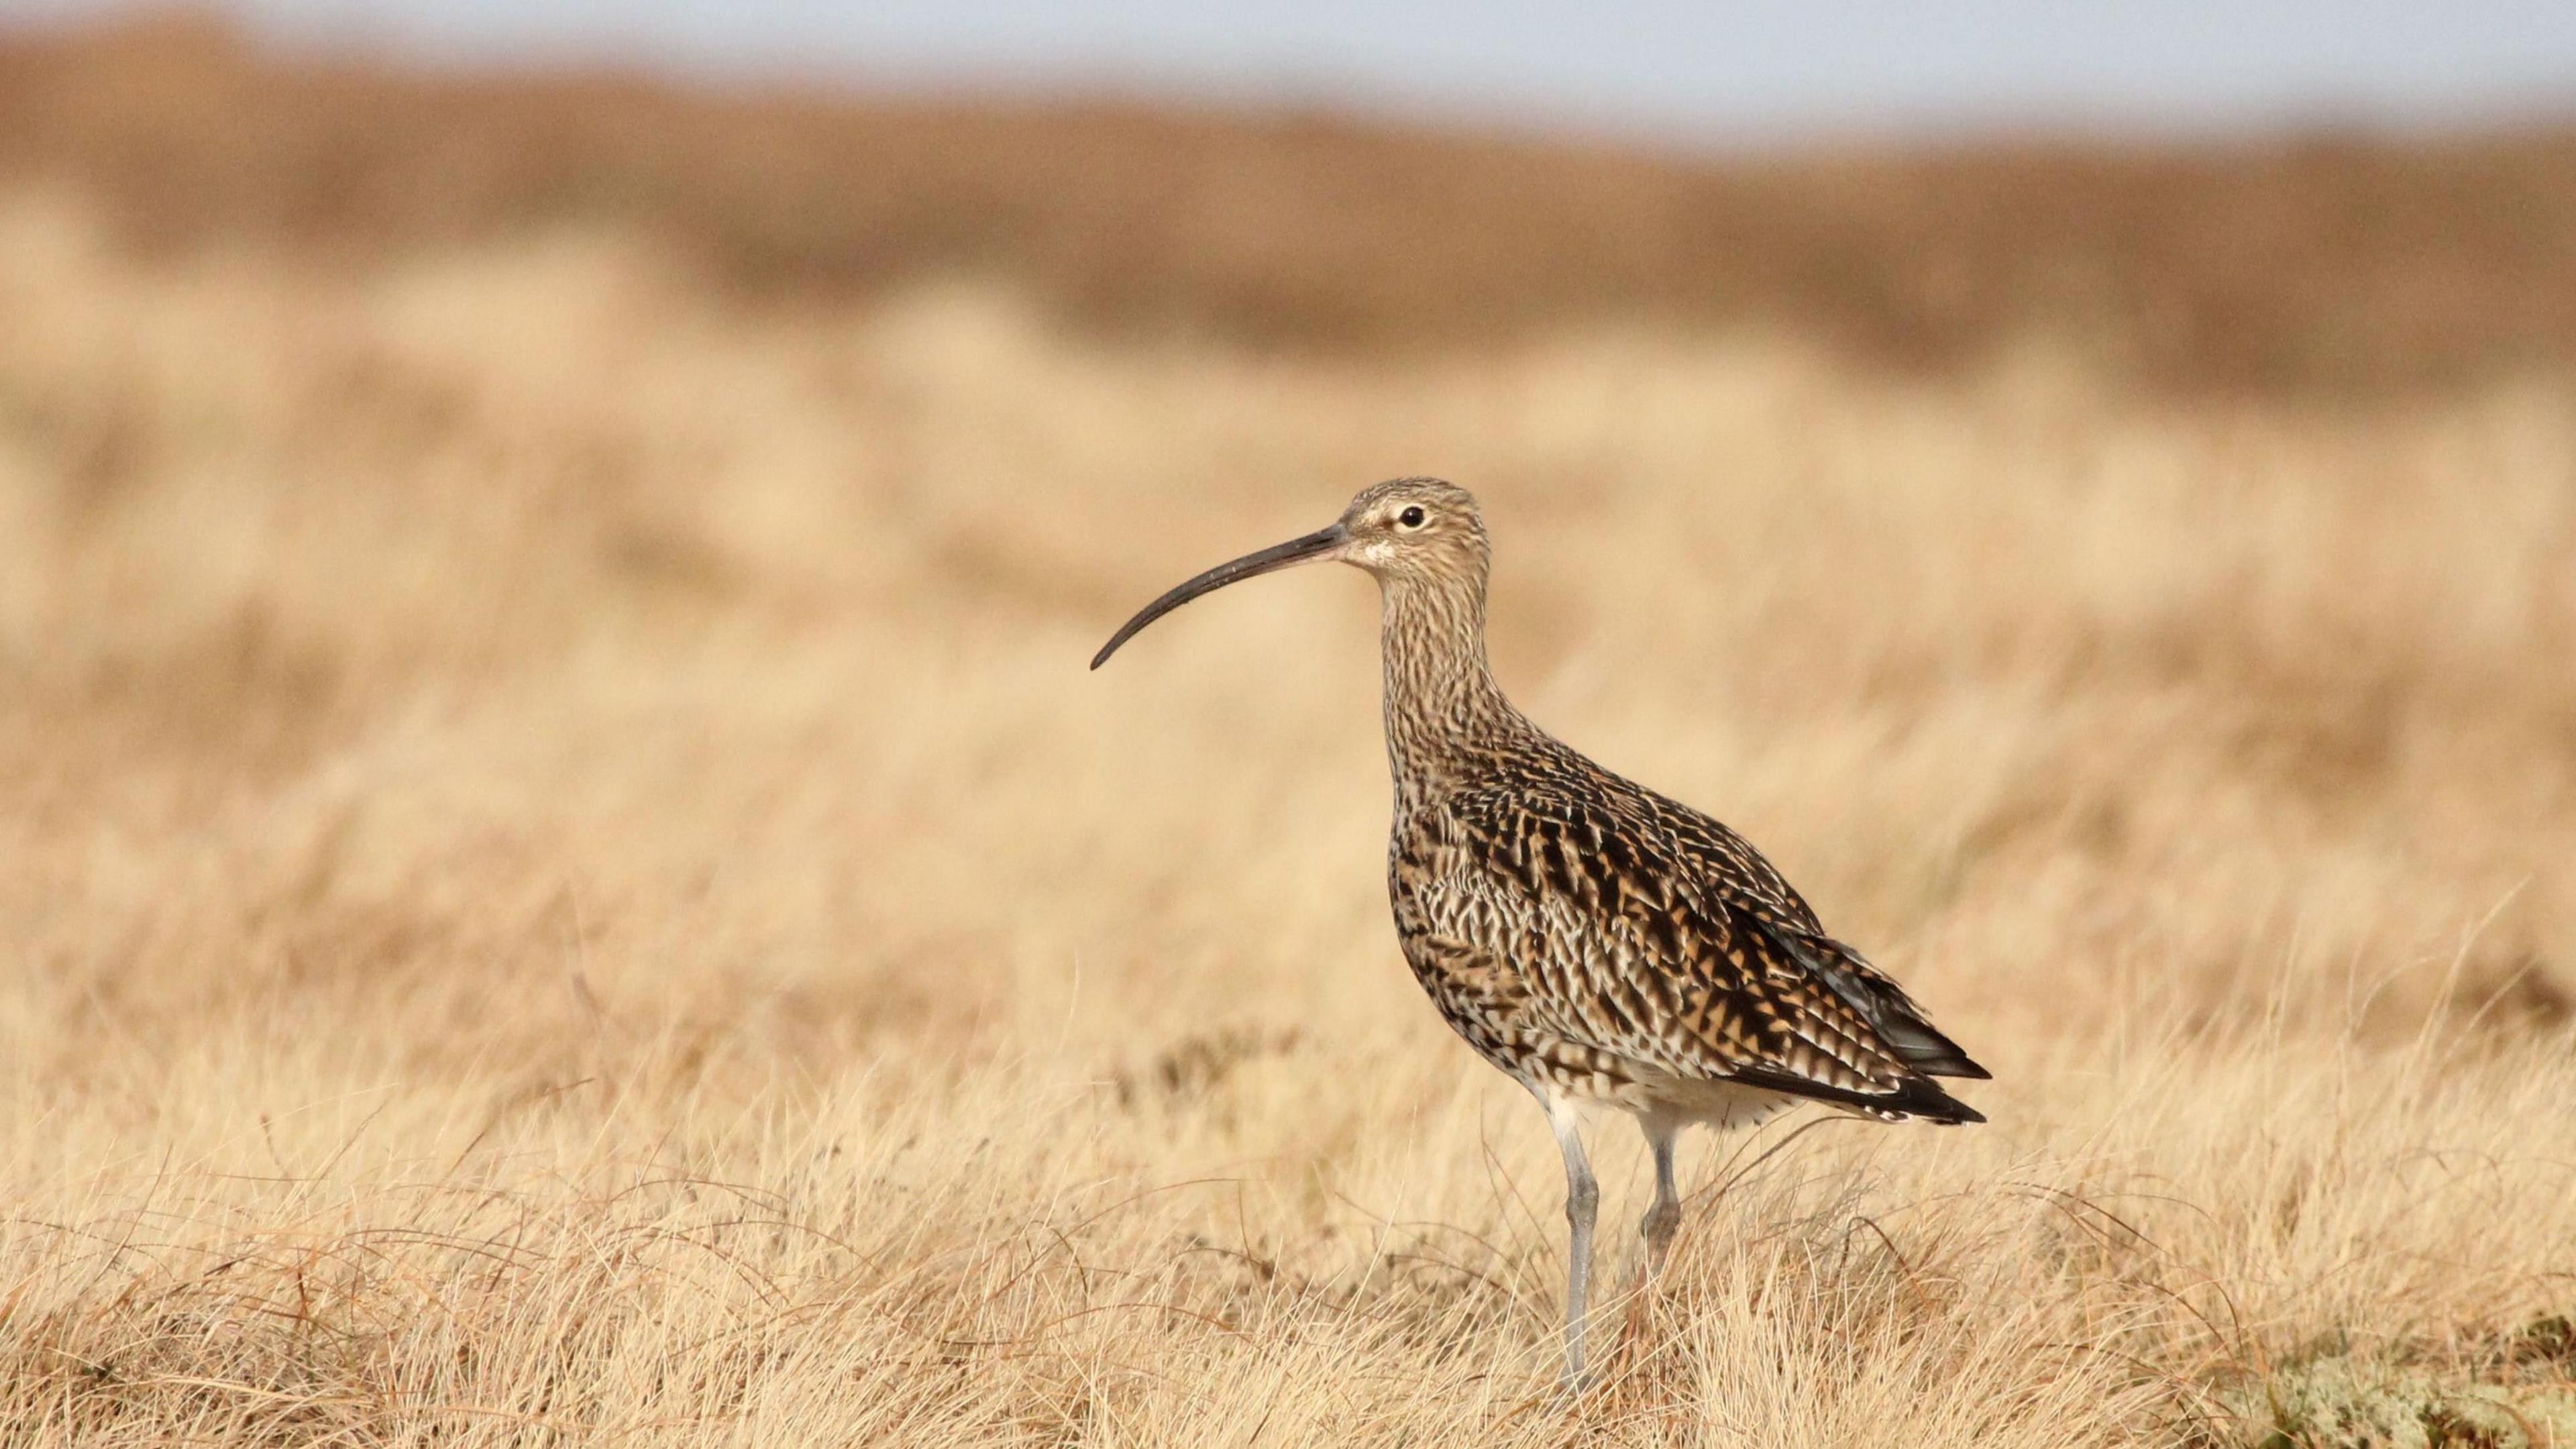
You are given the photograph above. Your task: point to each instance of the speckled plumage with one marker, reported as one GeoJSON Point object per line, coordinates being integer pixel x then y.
{"type": "Point", "coordinates": [1593, 938]}
{"type": "Point", "coordinates": [1599, 942]}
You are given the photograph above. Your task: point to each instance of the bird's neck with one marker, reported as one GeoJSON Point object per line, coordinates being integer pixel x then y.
{"type": "Point", "coordinates": [1443, 708]}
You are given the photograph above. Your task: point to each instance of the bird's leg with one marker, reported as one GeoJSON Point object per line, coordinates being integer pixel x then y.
{"type": "Point", "coordinates": [1666, 1215]}
{"type": "Point", "coordinates": [1582, 1199]}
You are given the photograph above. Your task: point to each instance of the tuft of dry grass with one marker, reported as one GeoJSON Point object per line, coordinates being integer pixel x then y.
{"type": "Point", "coordinates": [565, 880]}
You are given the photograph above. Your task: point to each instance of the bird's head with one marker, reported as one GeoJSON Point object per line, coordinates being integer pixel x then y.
{"type": "Point", "coordinates": [1414, 528]}
{"type": "Point", "coordinates": [1404, 531]}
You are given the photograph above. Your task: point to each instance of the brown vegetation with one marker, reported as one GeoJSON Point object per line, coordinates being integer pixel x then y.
{"type": "Point", "coordinates": [2332, 263]}
{"type": "Point", "coordinates": [564, 880]}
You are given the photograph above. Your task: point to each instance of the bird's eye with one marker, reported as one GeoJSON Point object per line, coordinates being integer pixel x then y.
{"type": "Point", "coordinates": [1412, 517]}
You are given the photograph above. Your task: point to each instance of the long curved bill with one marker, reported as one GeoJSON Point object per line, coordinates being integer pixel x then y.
{"type": "Point", "coordinates": [1278, 556]}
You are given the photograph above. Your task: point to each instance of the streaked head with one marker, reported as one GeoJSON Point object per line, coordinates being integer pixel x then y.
{"type": "Point", "coordinates": [1415, 527]}
{"type": "Point", "coordinates": [1411, 530]}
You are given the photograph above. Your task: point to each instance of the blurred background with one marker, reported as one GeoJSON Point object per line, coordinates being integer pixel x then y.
{"type": "Point", "coordinates": [1691, 75]}
{"type": "Point", "coordinates": [547, 553]}
{"type": "Point", "coordinates": [2275, 195]}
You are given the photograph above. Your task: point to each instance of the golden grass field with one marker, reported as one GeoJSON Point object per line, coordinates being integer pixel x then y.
{"type": "Point", "coordinates": [564, 880]}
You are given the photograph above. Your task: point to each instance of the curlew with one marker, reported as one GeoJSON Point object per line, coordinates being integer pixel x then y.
{"type": "Point", "coordinates": [1601, 944]}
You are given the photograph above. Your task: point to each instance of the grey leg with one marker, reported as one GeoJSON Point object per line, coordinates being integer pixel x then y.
{"type": "Point", "coordinates": [1582, 1199]}
{"type": "Point", "coordinates": [1666, 1215]}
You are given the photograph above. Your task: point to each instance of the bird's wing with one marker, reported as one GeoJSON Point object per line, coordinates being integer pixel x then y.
{"type": "Point", "coordinates": [1694, 960]}
{"type": "Point", "coordinates": [1755, 891]}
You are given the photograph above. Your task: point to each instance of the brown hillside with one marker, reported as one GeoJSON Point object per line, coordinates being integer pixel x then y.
{"type": "Point", "coordinates": [2323, 264]}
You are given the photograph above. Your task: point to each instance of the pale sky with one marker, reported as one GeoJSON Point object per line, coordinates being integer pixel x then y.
{"type": "Point", "coordinates": [1720, 71]}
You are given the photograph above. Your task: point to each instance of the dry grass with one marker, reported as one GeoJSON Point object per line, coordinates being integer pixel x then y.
{"type": "Point", "coordinates": [565, 881]}
{"type": "Point", "coordinates": [2329, 265]}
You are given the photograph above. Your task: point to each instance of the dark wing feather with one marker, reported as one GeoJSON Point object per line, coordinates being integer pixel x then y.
{"type": "Point", "coordinates": [1886, 1006]}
